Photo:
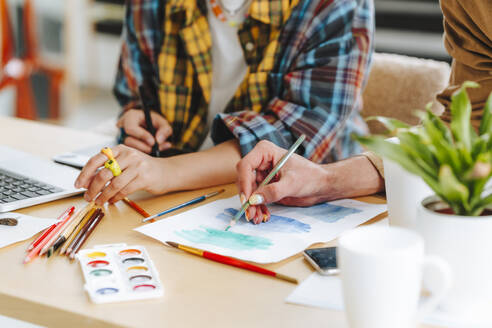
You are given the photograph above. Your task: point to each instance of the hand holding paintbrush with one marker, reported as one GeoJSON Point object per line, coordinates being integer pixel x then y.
{"type": "Point", "coordinates": [300, 182]}
{"type": "Point", "coordinates": [267, 180]}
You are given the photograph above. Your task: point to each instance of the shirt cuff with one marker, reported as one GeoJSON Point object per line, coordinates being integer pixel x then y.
{"type": "Point", "coordinates": [376, 161]}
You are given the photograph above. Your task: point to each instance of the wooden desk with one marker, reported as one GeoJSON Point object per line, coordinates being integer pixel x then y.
{"type": "Point", "coordinates": [198, 292]}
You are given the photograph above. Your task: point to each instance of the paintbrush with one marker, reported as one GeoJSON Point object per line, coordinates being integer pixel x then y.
{"type": "Point", "coordinates": [136, 207]}
{"type": "Point", "coordinates": [190, 202]}
{"type": "Point", "coordinates": [268, 178]}
{"type": "Point", "coordinates": [231, 261]}
{"type": "Point", "coordinates": [147, 108]}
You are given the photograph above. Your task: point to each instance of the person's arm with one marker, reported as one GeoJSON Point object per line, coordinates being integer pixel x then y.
{"type": "Point", "coordinates": [158, 175]}
{"type": "Point", "coordinates": [301, 182]}
{"type": "Point", "coordinates": [316, 86]}
{"type": "Point", "coordinates": [210, 167]}
{"type": "Point", "coordinates": [141, 32]}
{"type": "Point", "coordinates": [468, 39]}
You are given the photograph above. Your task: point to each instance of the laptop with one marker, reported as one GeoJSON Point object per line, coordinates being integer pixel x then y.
{"type": "Point", "coordinates": [27, 180]}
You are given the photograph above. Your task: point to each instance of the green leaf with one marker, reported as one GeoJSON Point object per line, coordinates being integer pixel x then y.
{"type": "Point", "coordinates": [444, 151]}
{"type": "Point", "coordinates": [478, 176]}
{"type": "Point", "coordinates": [486, 123]}
{"type": "Point", "coordinates": [480, 145]}
{"type": "Point", "coordinates": [465, 155]}
{"type": "Point", "coordinates": [453, 190]}
{"type": "Point", "coordinates": [391, 124]}
{"type": "Point", "coordinates": [438, 123]}
{"type": "Point", "coordinates": [395, 153]}
{"type": "Point", "coordinates": [461, 114]}
{"type": "Point", "coordinates": [486, 202]}
{"type": "Point", "coordinates": [413, 144]}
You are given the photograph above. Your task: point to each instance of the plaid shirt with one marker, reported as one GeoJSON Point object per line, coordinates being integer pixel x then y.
{"type": "Point", "coordinates": [307, 65]}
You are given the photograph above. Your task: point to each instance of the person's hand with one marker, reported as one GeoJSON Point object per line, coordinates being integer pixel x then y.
{"type": "Point", "coordinates": [139, 172]}
{"type": "Point", "coordinates": [298, 183]}
{"type": "Point", "coordinates": [133, 122]}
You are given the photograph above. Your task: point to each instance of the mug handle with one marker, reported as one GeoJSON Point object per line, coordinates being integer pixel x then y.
{"type": "Point", "coordinates": [444, 271]}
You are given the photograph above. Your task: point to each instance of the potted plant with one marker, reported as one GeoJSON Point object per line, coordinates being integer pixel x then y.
{"type": "Point", "coordinates": [455, 161]}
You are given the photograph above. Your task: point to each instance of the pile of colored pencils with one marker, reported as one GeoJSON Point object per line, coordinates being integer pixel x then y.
{"type": "Point", "coordinates": [68, 234]}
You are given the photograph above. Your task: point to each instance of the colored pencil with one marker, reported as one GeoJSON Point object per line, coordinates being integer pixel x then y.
{"type": "Point", "coordinates": [42, 236]}
{"type": "Point", "coordinates": [63, 237]}
{"type": "Point", "coordinates": [81, 214]}
{"type": "Point", "coordinates": [64, 217]}
{"type": "Point", "coordinates": [231, 261]}
{"type": "Point", "coordinates": [268, 178]}
{"type": "Point", "coordinates": [82, 231]}
{"type": "Point", "coordinates": [136, 207]}
{"type": "Point", "coordinates": [190, 202]}
{"type": "Point", "coordinates": [56, 232]}
{"type": "Point", "coordinates": [86, 234]}
{"type": "Point", "coordinates": [147, 108]}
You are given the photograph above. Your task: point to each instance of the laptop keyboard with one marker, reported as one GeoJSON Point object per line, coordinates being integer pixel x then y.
{"type": "Point", "coordinates": [14, 187]}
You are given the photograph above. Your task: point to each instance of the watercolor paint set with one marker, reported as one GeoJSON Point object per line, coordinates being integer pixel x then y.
{"type": "Point", "coordinates": [116, 273]}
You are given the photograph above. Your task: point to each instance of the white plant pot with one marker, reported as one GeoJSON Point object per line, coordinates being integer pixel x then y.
{"type": "Point", "coordinates": [466, 244]}
{"type": "Point", "coordinates": [404, 191]}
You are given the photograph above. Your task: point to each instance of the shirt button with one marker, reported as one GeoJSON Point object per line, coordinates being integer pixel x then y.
{"type": "Point", "coordinates": [250, 46]}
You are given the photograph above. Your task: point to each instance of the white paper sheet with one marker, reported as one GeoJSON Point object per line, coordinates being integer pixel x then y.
{"type": "Point", "coordinates": [326, 292]}
{"type": "Point", "coordinates": [26, 227]}
{"type": "Point", "coordinates": [318, 291]}
{"type": "Point", "coordinates": [289, 231]}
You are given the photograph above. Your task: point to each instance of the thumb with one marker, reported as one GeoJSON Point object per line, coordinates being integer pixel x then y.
{"type": "Point", "coordinates": [163, 132]}
{"type": "Point", "coordinates": [270, 193]}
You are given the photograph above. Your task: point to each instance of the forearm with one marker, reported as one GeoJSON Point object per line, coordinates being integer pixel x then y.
{"type": "Point", "coordinates": [352, 177]}
{"type": "Point", "coordinates": [202, 169]}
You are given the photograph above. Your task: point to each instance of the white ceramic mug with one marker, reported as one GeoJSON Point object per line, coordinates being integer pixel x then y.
{"type": "Point", "coordinates": [381, 270]}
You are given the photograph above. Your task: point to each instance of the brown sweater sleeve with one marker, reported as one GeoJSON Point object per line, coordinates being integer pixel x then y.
{"type": "Point", "coordinates": [468, 39]}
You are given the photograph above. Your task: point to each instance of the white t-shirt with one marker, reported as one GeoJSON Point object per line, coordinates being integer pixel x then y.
{"type": "Point", "coordinates": [228, 63]}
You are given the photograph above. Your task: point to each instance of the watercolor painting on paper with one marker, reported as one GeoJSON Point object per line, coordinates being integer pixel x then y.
{"type": "Point", "coordinates": [289, 231]}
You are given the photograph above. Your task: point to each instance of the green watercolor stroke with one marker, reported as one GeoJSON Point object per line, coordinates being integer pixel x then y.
{"type": "Point", "coordinates": [225, 239]}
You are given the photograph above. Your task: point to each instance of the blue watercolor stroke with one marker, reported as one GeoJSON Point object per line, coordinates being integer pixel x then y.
{"type": "Point", "coordinates": [325, 212]}
{"type": "Point", "coordinates": [276, 223]}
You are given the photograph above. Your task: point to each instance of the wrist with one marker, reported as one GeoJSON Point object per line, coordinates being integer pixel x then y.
{"type": "Point", "coordinates": [163, 176]}
{"type": "Point", "coordinates": [352, 177]}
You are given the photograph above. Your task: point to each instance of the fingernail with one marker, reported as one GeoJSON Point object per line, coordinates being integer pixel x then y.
{"type": "Point", "coordinates": [256, 199]}
{"type": "Point", "coordinates": [76, 184]}
{"type": "Point", "coordinates": [265, 218]}
{"type": "Point", "coordinates": [160, 138]}
{"type": "Point", "coordinates": [246, 214]}
{"type": "Point", "coordinates": [242, 199]}
{"type": "Point", "coordinates": [87, 198]}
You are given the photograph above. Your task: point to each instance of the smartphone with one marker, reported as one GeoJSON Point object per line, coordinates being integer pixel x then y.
{"type": "Point", "coordinates": [324, 260]}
